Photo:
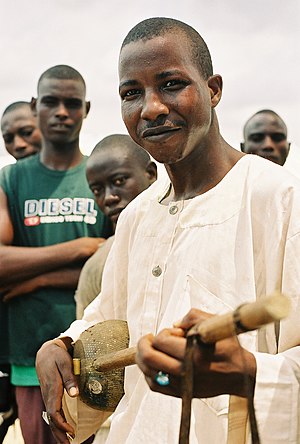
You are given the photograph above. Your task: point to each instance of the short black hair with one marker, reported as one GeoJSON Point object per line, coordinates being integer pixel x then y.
{"type": "Point", "coordinates": [264, 111]}
{"type": "Point", "coordinates": [119, 141]}
{"type": "Point", "coordinates": [16, 105]}
{"type": "Point", "coordinates": [158, 26]}
{"type": "Point", "coordinates": [63, 72]}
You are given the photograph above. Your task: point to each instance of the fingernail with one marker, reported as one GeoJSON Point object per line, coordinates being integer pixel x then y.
{"type": "Point", "coordinates": [73, 391]}
{"type": "Point", "coordinates": [177, 324]}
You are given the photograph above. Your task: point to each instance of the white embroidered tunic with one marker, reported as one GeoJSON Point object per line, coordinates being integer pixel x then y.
{"type": "Point", "coordinates": [236, 243]}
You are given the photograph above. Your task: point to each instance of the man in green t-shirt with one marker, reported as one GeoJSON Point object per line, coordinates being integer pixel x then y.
{"type": "Point", "coordinates": [49, 226]}
{"type": "Point", "coordinates": [22, 138]}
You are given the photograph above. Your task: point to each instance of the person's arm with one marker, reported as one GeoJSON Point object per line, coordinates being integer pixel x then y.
{"type": "Point", "coordinates": [218, 369]}
{"type": "Point", "coordinates": [55, 372]}
{"type": "Point", "coordinates": [64, 278]}
{"type": "Point", "coordinates": [21, 263]}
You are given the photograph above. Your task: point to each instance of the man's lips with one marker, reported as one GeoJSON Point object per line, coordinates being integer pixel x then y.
{"type": "Point", "coordinates": [60, 126]}
{"type": "Point", "coordinates": [115, 212]}
{"type": "Point", "coordinates": [159, 131]}
{"type": "Point", "coordinates": [21, 156]}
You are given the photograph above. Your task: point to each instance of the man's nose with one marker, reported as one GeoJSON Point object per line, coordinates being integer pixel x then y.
{"type": "Point", "coordinates": [61, 110]}
{"type": "Point", "coordinates": [19, 143]}
{"type": "Point", "coordinates": [153, 106]}
{"type": "Point", "coordinates": [268, 143]}
{"type": "Point", "coordinates": [111, 197]}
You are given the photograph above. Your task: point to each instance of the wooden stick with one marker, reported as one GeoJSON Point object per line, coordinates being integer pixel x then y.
{"type": "Point", "coordinates": [114, 360]}
{"type": "Point", "coordinates": [245, 318]}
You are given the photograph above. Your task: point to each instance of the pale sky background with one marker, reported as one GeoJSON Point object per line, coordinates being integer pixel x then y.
{"type": "Point", "coordinates": [254, 46]}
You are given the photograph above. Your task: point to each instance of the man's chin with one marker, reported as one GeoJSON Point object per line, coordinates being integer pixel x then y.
{"type": "Point", "coordinates": [62, 139]}
{"type": "Point", "coordinates": [273, 159]}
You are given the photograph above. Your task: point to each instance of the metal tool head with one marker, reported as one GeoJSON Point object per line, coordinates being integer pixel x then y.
{"type": "Point", "coordinates": [101, 390]}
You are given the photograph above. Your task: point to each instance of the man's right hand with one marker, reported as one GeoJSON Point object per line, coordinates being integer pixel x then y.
{"type": "Point", "coordinates": [21, 263]}
{"type": "Point", "coordinates": [55, 372]}
{"type": "Point", "coordinates": [86, 245]}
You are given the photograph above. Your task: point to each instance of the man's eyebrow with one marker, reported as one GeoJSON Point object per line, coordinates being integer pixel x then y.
{"type": "Point", "coordinates": [159, 76]}
{"type": "Point", "coordinates": [165, 74]}
{"type": "Point", "coordinates": [267, 132]}
{"type": "Point", "coordinates": [66, 99]}
{"type": "Point", "coordinates": [127, 83]}
{"type": "Point", "coordinates": [73, 99]}
{"type": "Point", "coordinates": [48, 96]}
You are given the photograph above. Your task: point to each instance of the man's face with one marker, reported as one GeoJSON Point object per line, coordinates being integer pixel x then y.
{"type": "Point", "coordinates": [266, 136]}
{"type": "Point", "coordinates": [116, 178]}
{"type": "Point", "coordinates": [60, 109]}
{"type": "Point", "coordinates": [166, 103]}
{"type": "Point", "coordinates": [21, 135]}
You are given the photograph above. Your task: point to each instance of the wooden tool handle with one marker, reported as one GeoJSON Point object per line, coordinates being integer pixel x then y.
{"type": "Point", "coordinates": [114, 360]}
{"type": "Point", "coordinates": [247, 317]}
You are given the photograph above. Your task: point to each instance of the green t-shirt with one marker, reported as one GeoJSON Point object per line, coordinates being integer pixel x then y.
{"type": "Point", "coordinates": [23, 376]}
{"type": "Point", "coordinates": [46, 207]}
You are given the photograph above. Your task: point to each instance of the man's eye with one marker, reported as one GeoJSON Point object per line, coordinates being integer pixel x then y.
{"type": "Point", "coordinates": [257, 137]}
{"type": "Point", "coordinates": [278, 137]}
{"type": "Point", "coordinates": [175, 84]}
{"type": "Point", "coordinates": [120, 181]}
{"type": "Point", "coordinates": [48, 101]}
{"type": "Point", "coordinates": [130, 94]}
{"type": "Point", "coordinates": [26, 132]}
{"type": "Point", "coordinates": [97, 191]}
{"type": "Point", "coordinates": [8, 138]}
{"type": "Point", "coordinates": [73, 103]}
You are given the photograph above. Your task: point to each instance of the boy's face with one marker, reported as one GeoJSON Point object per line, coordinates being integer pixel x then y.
{"type": "Point", "coordinates": [60, 109]}
{"type": "Point", "coordinates": [21, 135]}
{"type": "Point", "coordinates": [116, 178]}
{"type": "Point", "coordinates": [266, 136]}
{"type": "Point", "coordinates": [166, 103]}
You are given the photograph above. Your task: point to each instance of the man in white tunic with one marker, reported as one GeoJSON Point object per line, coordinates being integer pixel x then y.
{"type": "Point", "coordinates": [222, 230]}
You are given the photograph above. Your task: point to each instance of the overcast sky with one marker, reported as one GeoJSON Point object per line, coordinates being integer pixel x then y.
{"type": "Point", "coordinates": [254, 46]}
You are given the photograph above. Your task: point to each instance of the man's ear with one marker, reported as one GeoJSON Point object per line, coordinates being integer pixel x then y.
{"type": "Point", "coordinates": [215, 85]}
{"type": "Point", "coordinates": [151, 171]}
{"type": "Point", "coordinates": [33, 105]}
{"type": "Point", "coordinates": [87, 108]}
{"type": "Point", "coordinates": [242, 145]}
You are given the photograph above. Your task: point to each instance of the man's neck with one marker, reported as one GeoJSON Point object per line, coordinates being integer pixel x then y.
{"type": "Point", "coordinates": [194, 176]}
{"type": "Point", "coordinates": [60, 157]}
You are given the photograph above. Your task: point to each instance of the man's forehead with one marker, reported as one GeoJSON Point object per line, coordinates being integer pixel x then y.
{"type": "Point", "coordinates": [265, 122]}
{"type": "Point", "coordinates": [145, 53]}
{"type": "Point", "coordinates": [112, 154]}
{"type": "Point", "coordinates": [159, 42]}
{"type": "Point", "coordinates": [17, 115]}
{"type": "Point", "coordinates": [52, 85]}
{"type": "Point", "coordinates": [109, 165]}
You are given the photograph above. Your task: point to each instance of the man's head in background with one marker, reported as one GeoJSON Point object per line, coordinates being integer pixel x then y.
{"type": "Point", "coordinates": [20, 133]}
{"type": "Point", "coordinates": [61, 105]}
{"type": "Point", "coordinates": [117, 171]}
{"type": "Point", "coordinates": [265, 134]}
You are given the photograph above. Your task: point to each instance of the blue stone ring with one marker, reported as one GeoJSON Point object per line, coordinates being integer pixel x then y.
{"type": "Point", "coordinates": [162, 378]}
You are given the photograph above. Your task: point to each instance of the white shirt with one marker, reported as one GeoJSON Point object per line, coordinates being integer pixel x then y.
{"type": "Point", "coordinates": [236, 243]}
